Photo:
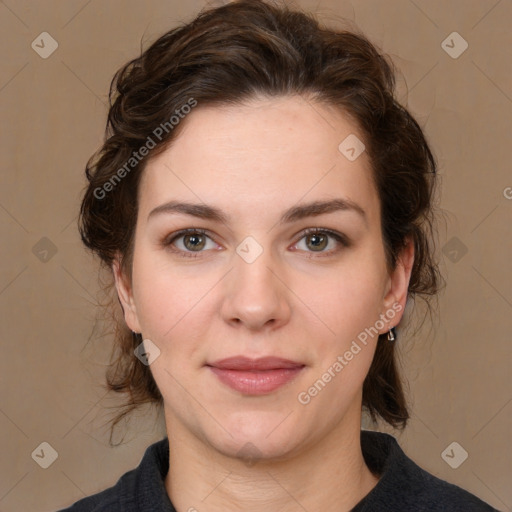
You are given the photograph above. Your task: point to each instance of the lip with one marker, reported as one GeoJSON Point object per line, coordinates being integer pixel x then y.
{"type": "Point", "coordinates": [261, 363]}
{"type": "Point", "coordinates": [255, 376]}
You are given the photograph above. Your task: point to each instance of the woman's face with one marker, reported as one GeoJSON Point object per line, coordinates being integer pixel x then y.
{"type": "Point", "coordinates": [254, 284]}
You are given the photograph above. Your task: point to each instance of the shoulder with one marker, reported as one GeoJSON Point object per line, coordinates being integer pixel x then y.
{"type": "Point", "coordinates": [403, 485]}
{"type": "Point", "coordinates": [109, 499]}
{"type": "Point", "coordinates": [136, 489]}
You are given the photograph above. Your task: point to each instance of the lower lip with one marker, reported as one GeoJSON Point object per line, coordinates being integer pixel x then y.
{"type": "Point", "coordinates": [256, 382]}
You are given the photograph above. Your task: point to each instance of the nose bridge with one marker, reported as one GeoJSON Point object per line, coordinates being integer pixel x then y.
{"type": "Point", "coordinates": [256, 294]}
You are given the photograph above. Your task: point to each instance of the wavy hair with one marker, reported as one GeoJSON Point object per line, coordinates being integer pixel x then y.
{"type": "Point", "coordinates": [228, 55]}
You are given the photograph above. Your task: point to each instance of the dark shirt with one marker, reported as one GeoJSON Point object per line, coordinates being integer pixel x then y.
{"type": "Point", "coordinates": [403, 486]}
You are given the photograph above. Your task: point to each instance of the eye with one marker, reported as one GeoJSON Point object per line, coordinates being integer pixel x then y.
{"type": "Point", "coordinates": [186, 242]}
{"type": "Point", "coordinates": [191, 242]}
{"type": "Point", "coordinates": [316, 240]}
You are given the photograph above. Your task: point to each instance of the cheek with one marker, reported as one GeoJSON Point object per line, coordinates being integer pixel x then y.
{"type": "Point", "coordinates": [160, 297]}
{"type": "Point", "coordinates": [351, 299]}
{"type": "Point", "coordinates": [350, 306]}
{"type": "Point", "coordinates": [358, 306]}
{"type": "Point", "coordinates": [172, 305]}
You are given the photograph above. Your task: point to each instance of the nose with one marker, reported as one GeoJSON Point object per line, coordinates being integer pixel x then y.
{"type": "Point", "coordinates": [255, 294]}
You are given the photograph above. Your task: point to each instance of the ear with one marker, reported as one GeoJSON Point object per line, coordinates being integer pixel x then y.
{"type": "Point", "coordinates": [396, 295]}
{"type": "Point", "coordinates": [124, 292]}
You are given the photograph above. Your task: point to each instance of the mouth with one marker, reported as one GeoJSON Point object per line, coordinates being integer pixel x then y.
{"type": "Point", "coordinates": [255, 376]}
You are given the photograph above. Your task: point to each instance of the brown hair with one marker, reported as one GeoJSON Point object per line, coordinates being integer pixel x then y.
{"type": "Point", "coordinates": [228, 55]}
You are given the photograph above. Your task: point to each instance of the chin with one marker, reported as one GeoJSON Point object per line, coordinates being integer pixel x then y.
{"type": "Point", "coordinates": [257, 435]}
{"type": "Point", "coordinates": [255, 449]}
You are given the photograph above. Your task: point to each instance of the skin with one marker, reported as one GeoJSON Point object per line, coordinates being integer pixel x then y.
{"type": "Point", "coordinates": [253, 162]}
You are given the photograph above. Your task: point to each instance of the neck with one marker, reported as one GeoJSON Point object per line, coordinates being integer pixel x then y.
{"type": "Point", "coordinates": [201, 477]}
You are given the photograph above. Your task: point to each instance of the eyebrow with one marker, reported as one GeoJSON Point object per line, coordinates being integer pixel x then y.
{"type": "Point", "coordinates": [301, 211]}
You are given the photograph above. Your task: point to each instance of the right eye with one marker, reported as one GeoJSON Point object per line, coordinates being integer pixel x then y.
{"type": "Point", "coordinates": [186, 242]}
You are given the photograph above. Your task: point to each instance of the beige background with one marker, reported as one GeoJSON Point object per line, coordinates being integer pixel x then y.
{"type": "Point", "coordinates": [53, 114]}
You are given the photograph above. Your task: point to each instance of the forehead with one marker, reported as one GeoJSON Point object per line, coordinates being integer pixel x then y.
{"type": "Point", "coordinates": [267, 151]}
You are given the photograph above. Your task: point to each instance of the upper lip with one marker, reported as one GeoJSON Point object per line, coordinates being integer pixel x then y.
{"type": "Point", "coordinates": [262, 363]}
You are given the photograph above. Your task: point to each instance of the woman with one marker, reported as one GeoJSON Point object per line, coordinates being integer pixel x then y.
{"type": "Point", "coordinates": [265, 207]}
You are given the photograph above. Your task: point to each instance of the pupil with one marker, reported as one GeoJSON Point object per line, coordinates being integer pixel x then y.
{"type": "Point", "coordinates": [320, 241]}
{"type": "Point", "coordinates": [194, 242]}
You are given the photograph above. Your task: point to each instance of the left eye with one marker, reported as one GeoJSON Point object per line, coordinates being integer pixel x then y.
{"type": "Point", "coordinates": [319, 240]}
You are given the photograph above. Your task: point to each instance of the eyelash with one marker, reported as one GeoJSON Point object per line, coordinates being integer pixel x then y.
{"type": "Point", "coordinates": [340, 238]}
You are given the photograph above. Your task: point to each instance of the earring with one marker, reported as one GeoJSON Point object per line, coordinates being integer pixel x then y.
{"type": "Point", "coordinates": [391, 334]}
